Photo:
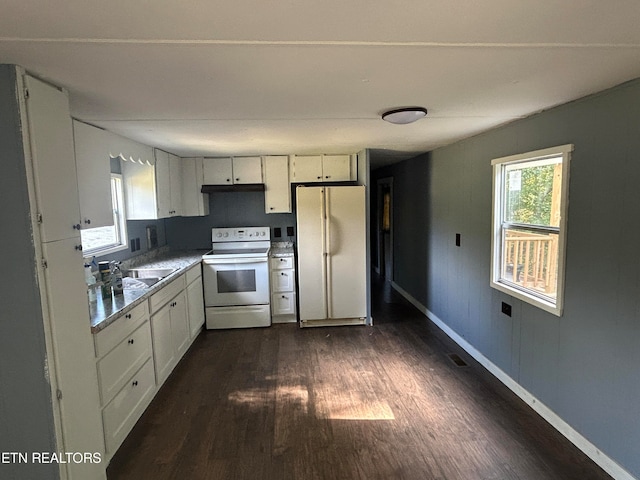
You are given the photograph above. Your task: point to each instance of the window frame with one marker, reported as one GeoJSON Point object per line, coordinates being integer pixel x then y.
{"type": "Point", "coordinates": [119, 222]}
{"type": "Point", "coordinates": [499, 223]}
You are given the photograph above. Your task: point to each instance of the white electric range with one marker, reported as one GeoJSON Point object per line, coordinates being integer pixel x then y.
{"type": "Point", "coordinates": [236, 278]}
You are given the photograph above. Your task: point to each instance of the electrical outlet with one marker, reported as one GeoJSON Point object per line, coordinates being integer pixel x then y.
{"type": "Point", "coordinates": [289, 231]}
{"type": "Point", "coordinates": [506, 309]}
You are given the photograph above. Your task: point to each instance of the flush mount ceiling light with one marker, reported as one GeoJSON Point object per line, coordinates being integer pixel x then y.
{"type": "Point", "coordinates": [404, 115]}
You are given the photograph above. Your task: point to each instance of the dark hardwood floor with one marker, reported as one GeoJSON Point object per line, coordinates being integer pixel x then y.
{"type": "Point", "coordinates": [381, 402]}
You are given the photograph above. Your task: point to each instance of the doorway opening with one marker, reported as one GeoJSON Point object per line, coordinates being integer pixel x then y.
{"type": "Point", "coordinates": [385, 228]}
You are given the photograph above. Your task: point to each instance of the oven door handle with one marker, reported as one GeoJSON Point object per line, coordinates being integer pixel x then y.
{"type": "Point", "coordinates": [220, 261]}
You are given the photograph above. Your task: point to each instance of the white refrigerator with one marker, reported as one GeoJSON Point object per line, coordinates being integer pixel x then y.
{"type": "Point", "coordinates": [331, 241]}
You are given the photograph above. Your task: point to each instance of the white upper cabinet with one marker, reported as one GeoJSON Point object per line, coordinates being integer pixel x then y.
{"type": "Point", "coordinates": [168, 173]}
{"type": "Point", "coordinates": [175, 180]}
{"type": "Point", "coordinates": [51, 144]}
{"type": "Point", "coordinates": [93, 169]}
{"type": "Point", "coordinates": [277, 189]}
{"type": "Point", "coordinates": [306, 168]}
{"type": "Point", "coordinates": [218, 171]}
{"type": "Point", "coordinates": [336, 168]}
{"type": "Point", "coordinates": [140, 190]}
{"type": "Point", "coordinates": [247, 170]}
{"type": "Point", "coordinates": [322, 168]}
{"type": "Point", "coordinates": [232, 170]}
{"type": "Point", "coordinates": [194, 203]}
{"type": "Point", "coordinates": [163, 183]}
{"type": "Point", "coordinates": [153, 190]}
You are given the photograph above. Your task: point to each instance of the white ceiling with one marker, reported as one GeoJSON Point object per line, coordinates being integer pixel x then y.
{"type": "Point", "coordinates": [212, 77]}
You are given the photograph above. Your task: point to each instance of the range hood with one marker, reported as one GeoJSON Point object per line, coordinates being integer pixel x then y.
{"type": "Point", "coordinates": [244, 187]}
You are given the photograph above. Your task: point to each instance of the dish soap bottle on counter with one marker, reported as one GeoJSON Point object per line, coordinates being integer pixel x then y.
{"type": "Point", "coordinates": [105, 277]}
{"type": "Point", "coordinates": [90, 280]}
{"type": "Point", "coordinates": [116, 278]}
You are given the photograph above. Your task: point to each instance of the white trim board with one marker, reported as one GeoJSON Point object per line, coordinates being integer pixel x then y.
{"type": "Point", "coordinates": [588, 448]}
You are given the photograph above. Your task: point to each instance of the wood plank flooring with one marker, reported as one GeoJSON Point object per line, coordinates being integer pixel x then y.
{"type": "Point", "coordinates": [343, 403]}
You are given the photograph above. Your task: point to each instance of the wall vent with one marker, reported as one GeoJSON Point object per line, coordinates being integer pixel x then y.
{"type": "Point", "coordinates": [455, 358]}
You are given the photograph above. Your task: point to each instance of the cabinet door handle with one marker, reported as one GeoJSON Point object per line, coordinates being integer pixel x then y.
{"type": "Point", "coordinates": [128, 315]}
{"type": "Point", "coordinates": [135, 383]}
{"type": "Point", "coordinates": [77, 226]}
{"type": "Point", "coordinates": [328, 176]}
{"type": "Point", "coordinates": [79, 247]}
{"type": "Point", "coordinates": [228, 179]}
{"type": "Point", "coordinates": [130, 342]}
{"type": "Point", "coordinates": [270, 208]}
{"type": "Point", "coordinates": [319, 177]}
{"type": "Point", "coordinates": [87, 221]}
{"type": "Point", "coordinates": [237, 179]}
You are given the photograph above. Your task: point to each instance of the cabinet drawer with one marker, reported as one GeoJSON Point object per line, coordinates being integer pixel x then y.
{"type": "Point", "coordinates": [117, 367]}
{"type": "Point", "coordinates": [282, 281]}
{"type": "Point", "coordinates": [121, 414]}
{"type": "Point", "coordinates": [283, 304]}
{"type": "Point", "coordinates": [105, 340]}
{"type": "Point", "coordinates": [167, 292]}
{"type": "Point", "coordinates": [281, 262]}
{"type": "Point", "coordinates": [193, 273]}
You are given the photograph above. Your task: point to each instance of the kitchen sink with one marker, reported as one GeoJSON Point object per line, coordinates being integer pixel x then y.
{"type": "Point", "coordinates": [149, 273]}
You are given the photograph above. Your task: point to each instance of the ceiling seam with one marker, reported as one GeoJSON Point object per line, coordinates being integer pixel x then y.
{"type": "Point", "coordinates": [348, 43]}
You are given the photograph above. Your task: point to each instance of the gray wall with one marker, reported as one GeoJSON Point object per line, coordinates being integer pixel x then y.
{"type": "Point", "coordinates": [227, 209]}
{"type": "Point", "coordinates": [26, 416]}
{"type": "Point", "coordinates": [583, 365]}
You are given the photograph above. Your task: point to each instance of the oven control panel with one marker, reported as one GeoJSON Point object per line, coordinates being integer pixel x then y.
{"type": "Point", "coordinates": [242, 234]}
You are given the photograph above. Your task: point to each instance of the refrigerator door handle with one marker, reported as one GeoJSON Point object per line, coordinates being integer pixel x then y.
{"type": "Point", "coordinates": [328, 259]}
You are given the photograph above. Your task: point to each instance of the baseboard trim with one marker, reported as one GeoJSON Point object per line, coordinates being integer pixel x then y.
{"type": "Point", "coordinates": [606, 463]}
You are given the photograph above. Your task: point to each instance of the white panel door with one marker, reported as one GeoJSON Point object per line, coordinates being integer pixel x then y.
{"type": "Point", "coordinates": [175, 178]}
{"type": "Point", "coordinates": [306, 168]}
{"type": "Point", "coordinates": [163, 184]}
{"type": "Point", "coordinates": [277, 189]}
{"type": "Point", "coordinates": [194, 202]}
{"type": "Point", "coordinates": [51, 142]}
{"type": "Point", "coordinates": [196, 306]}
{"type": "Point", "coordinates": [180, 325]}
{"type": "Point", "coordinates": [93, 167]}
{"type": "Point", "coordinates": [163, 351]}
{"type": "Point", "coordinates": [346, 252]}
{"type": "Point", "coordinates": [218, 171]}
{"type": "Point", "coordinates": [311, 259]}
{"type": "Point", "coordinates": [247, 170]}
{"type": "Point", "coordinates": [74, 355]}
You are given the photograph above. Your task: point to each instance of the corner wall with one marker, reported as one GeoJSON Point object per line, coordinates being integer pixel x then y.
{"type": "Point", "coordinates": [26, 415]}
{"type": "Point", "coordinates": [583, 366]}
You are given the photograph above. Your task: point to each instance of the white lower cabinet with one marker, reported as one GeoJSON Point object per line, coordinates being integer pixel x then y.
{"type": "Point", "coordinates": [136, 354]}
{"type": "Point", "coordinates": [124, 360]}
{"type": "Point", "coordinates": [170, 331]}
{"type": "Point", "coordinates": [122, 413]}
{"type": "Point", "coordinates": [283, 289]}
{"type": "Point", "coordinates": [195, 300]}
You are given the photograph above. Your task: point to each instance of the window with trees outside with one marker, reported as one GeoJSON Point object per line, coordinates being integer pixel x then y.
{"type": "Point", "coordinates": [529, 226]}
{"type": "Point", "coordinates": [109, 239]}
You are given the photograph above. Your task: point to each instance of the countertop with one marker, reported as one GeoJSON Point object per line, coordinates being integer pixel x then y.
{"type": "Point", "coordinates": [281, 249]}
{"type": "Point", "coordinates": [104, 311]}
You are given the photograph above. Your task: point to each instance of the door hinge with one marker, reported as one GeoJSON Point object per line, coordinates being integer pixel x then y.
{"type": "Point", "coordinates": [39, 218]}
{"type": "Point", "coordinates": [44, 263]}
{"type": "Point", "coordinates": [59, 394]}
{"type": "Point", "coordinates": [26, 94]}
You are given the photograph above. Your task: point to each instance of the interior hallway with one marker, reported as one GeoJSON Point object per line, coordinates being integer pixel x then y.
{"type": "Point", "coordinates": [381, 402]}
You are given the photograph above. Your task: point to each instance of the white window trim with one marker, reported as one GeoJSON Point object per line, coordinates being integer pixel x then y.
{"type": "Point", "coordinates": [496, 240]}
{"type": "Point", "coordinates": [123, 228]}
